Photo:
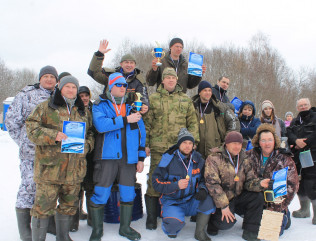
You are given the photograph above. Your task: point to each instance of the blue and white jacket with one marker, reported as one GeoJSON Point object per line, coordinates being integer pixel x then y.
{"type": "Point", "coordinates": [109, 140]}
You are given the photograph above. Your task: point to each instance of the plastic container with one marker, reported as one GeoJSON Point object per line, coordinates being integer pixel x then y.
{"type": "Point", "coordinates": [306, 159]}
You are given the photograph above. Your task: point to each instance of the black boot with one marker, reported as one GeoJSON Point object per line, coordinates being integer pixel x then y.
{"type": "Point", "coordinates": [24, 223]}
{"type": "Point", "coordinates": [51, 225]}
{"type": "Point", "coordinates": [39, 228]}
{"type": "Point", "coordinates": [97, 214]}
{"type": "Point", "coordinates": [151, 207]}
{"type": "Point", "coordinates": [126, 210]}
{"type": "Point", "coordinates": [201, 222]}
{"type": "Point", "coordinates": [211, 229]}
{"type": "Point", "coordinates": [89, 221]}
{"type": "Point", "coordinates": [250, 236]}
{"type": "Point", "coordinates": [304, 211]}
{"type": "Point", "coordinates": [74, 223]}
{"type": "Point", "coordinates": [62, 227]}
{"type": "Point", "coordinates": [314, 210]}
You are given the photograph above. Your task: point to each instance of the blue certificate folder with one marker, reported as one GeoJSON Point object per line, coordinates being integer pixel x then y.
{"type": "Point", "coordinates": [195, 64]}
{"type": "Point", "coordinates": [75, 132]}
{"type": "Point", "coordinates": [279, 185]}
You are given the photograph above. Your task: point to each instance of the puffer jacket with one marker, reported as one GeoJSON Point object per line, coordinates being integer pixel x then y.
{"type": "Point", "coordinates": [248, 124]}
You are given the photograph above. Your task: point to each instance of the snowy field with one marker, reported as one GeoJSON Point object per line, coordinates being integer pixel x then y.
{"type": "Point", "coordinates": [301, 229]}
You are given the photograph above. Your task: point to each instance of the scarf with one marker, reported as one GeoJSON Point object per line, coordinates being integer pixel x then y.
{"type": "Point", "coordinates": [117, 99]}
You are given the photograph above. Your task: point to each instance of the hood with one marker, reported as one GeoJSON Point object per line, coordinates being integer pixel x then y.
{"type": "Point", "coordinates": [248, 102]}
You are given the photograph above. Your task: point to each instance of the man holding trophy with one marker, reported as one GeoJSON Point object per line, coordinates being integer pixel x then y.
{"type": "Point", "coordinates": [175, 60]}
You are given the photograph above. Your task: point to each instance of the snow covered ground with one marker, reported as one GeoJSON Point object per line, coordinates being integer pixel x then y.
{"type": "Point", "coordinates": [301, 229]}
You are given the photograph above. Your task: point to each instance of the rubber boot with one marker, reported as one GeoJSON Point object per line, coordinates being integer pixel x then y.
{"type": "Point", "coordinates": [62, 227]}
{"type": "Point", "coordinates": [250, 236]}
{"type": "Point", "coordinates": [24, 223]}
{"type": "Point", "coordinates": [74, 222]}
{"type": "Point", "coordinates": [201, 222]}
{"type": "Point", "coordinates": [126, 210]}
{"type": "Point", "coordinates": [51, 225]}
{"type": "Point", "coordinates": [151, 207]}
{"type": "Point", "coordinates": [89, 221]}
{"type": "Point", "coordinates": [39, 228]}
{"type": "Point", "coordinates": [97, 214]}
{"type": "Point", "coordinates": [304, 211]}
{"type": "Point", "coordinates": [314, 209]}
{"type": "Point", "coordinates": [211, 229]}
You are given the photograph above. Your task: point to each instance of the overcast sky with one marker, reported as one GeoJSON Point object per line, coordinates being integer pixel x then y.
{"type": "Point", "coordinates": [65, 33]}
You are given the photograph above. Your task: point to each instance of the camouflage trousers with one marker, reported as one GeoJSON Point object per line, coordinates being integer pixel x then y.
{"type": "Point", "coordinates": [46, 199]}
{"type": "Point", "coordinates": [26, 193]}
{"type": "Point", "coordinates": [155, 158]}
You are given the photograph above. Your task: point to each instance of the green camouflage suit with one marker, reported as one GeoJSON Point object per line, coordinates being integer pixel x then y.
{"type": "Point", "coordinates": [56, 174]}
{"type": "Point", "coordinates": [167, 114]}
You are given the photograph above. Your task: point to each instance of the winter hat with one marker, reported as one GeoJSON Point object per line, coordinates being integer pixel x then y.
{"type": "Point", "coordinates": [48, 70]}
{"type": "Point", "coordinates": [116, 78]}
{"type": "Point", "coordinates": [68, 79]}
{"type": "Point", "coordinates": [289, 113]}
{"type": "Point", "coordinates": [184, 135]}
{"type": "Point", "coordinates": [265, 127]}
{"type": "Point", "coordinates": [174, 41]}
{"type": "Point", "coordinates": [233, 136]}
{"type": "Point", "coordinates": [169, 71]}
{"type": "Point", "coordinates": [63, 74]}
{"type": "Point", "coordinates": [204, 84]}
{"type": "Point", "coordinates": [128, 57]}
{"type": "Point", "coordinates": [84, 89]}
{"type": "Point", "coordinates": [266, 103]}
{"type": "Point", "coordinates": [250, 103]}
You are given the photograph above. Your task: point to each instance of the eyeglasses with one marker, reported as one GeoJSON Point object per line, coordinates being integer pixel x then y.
{"type": "Point", "coordinates": [303, 105]}
{"type": "Point", "coordinates": [121, 85]}
{"type": "Point", "coordinates": [267, 141]}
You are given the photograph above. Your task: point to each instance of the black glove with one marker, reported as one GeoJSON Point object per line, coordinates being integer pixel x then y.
{"type": "Point", "coordinates": [270, 187]}
{"type": "Point", "coordinates": [201, 195]}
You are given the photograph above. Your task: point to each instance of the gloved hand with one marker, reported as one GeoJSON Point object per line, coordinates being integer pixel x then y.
{"type": "Point", "coordinates": [201, 195]}
{"type": "Point", "coordinates": [271, 184]}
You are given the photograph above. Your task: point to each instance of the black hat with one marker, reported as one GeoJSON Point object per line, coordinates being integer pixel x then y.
{"type": "Point", "coordinates": [184, 135]}
{"type": "Point", "coordinates": [63, 74]}
{"type": "Point", "coordinates": [204, 84]}
{"type": "Point", "coordinates": [84, 89]}
{"type": "Point", "coordinates": [48, 70]}
{"type": "Point", "coordinates": [174, 41]}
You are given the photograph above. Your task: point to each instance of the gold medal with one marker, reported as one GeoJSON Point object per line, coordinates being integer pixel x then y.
{"type": "Point", "coordinates": [187, 177]}
{"type": "Point", "coordinates": [236, 179]}
{"type": "Point", "coordinates": [202, 121]}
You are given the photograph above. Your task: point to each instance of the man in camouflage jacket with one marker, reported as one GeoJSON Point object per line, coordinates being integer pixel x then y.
{"type": "Point", "coordinates": [24, 103]}
{"type": "Point", "coordinates": [57, 175]}
{"type": "Point", "coordinates": [234, 187]}
{"type": "Point", "coordinates": [170, 110]}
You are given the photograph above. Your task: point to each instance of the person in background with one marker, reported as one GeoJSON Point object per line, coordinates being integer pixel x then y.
{"type": "Point", "coordinates": [288, 118]}
{"type": "Point", "coordinates": [220, 89]}
{"type": "Point", "coordinates": [22, 106]}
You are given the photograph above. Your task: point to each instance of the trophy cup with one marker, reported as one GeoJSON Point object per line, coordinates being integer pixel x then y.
{"type": "Point", "coordinates": [158, 53]}
{"type": "Point", "coordinates": [138, 103]}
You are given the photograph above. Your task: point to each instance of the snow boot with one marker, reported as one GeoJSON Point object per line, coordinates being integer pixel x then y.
{"type": "Point", "coordinates": [39, 228]}
{"type": "Point", "coordinates": [97, 214]}
{"type": "Point", "coordinates": [304, 211]}
{"type": "Point", "coordinates": [201, 222]}
{"type": "Point", "coordinates": [51, 225]}
{"type": "Point", "coordinates": [151, 208]}
{"type": "Point", "coordinates": [250, 236]}
{"type": "Point", "coordinates": [314, 209]}
{"type": "Point", "coordinates": [126, 210]}
{"type": "Point", "coordinates": [89, 221]}
{"type": "Point", "coordinates": [24, 223]}
{"type": "Point", "coordinates": [62, 227]}
{"type": "Point", "coordinates": [74, 222]}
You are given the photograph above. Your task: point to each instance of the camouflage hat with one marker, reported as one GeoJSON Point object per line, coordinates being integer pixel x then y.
{"type": "Point", "coordinates": [127, 57]}
{"type": "Point", "coordinates": [169, 71]}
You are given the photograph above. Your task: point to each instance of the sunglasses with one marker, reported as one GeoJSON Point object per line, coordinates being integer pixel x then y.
{"type": "Point", "coordinates": [121, 85]}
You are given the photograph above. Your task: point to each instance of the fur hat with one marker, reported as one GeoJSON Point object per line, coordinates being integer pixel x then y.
{"type": "Point", "coordinates": [266, 128]}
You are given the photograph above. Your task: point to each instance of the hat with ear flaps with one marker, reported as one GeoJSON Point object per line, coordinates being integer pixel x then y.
{"type": "Point", "coordinates": [266, 128]}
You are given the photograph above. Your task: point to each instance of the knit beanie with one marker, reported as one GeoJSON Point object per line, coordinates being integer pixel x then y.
{"type": "Point", "coordinates": [128, 57]}
{"type": "Point", "coordinates": [84, 89]}
{"type": "Point", "coordinates": [174, 41]}
{"type": "Point", "coordinates": [289, 113]}
{"type": "Point", "coordinates": [233, 136]}
{"type": "Point", "coordinates": [116, 78]}
{"type": "Point", "coordinates": [48, 70]}
{"type": "Point", "coordinates": [184, 135]}
{"type": "Point", "coordinates": [169, 71]}
{"type": "Point", "coordinates": [68, 79]}
{"type": "Point", "coordinates": [63, 74]}
{"type": "Point", "coordinates": [204, 84]}
{"type": "Point", "coordinates": [265, 104]}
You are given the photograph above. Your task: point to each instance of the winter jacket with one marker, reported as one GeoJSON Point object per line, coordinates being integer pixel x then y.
{"type": "Point", "coordinates": [276, 162]}
{"type": "Point", "coordinates": [281, 124]}
{"type": "Point", "coordinates": [220, 94]}
{"type": "Point", "coordinates": [220, 174]}
{"type": "Point", "coordinates": [109, 138]}
{"type": "Point", "coordinates": [304, 129]}
{"type": "Point", "coordinates": [42, 126]}
{"type": "Point", "coordinates": [248, 124]}
{"type": "Point", "coordinates": [171, 169]}
{"type": "Point", "coordinates": [22, 106]}
{"type": "Point", "coordinates": [167, 114]}
{"type": "Point", "coordinates": [217, 123]}
{"type": "Point", "coordinates": [135, 80]}
{"type": "Point", "coordinates": [186, 80]}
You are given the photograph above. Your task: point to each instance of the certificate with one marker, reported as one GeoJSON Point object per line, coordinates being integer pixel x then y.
{"type": "Point", "coordinates": [75, 131]}
{"type": "Point", "coordinates": [195, 64]}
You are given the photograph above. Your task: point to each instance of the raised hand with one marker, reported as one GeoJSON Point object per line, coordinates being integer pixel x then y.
{"type": "Point", "coordinates": [103, 48]}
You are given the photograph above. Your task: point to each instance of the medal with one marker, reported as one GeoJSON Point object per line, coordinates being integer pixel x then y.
{"type": "Point", "coordinates": [202, 112]}
{"type": "Point", "coordinates": [187, 177]}
{"type": "Point", "coordinates": [202, 121]}
{"type": "Point", "coordinates": [236, 179]}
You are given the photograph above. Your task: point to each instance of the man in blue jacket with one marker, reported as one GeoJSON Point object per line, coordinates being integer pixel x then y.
{"type": "Point", "coordinates": [180, 178]}
{"type": "Point", "coordinates": [119, 151]}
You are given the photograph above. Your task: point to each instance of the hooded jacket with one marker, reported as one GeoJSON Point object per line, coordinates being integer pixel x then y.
{"type": "Point", "coordinates": [249, 124]}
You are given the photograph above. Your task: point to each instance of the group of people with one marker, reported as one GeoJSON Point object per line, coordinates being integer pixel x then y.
{"type": "Point", "coordinates": [205, 162]}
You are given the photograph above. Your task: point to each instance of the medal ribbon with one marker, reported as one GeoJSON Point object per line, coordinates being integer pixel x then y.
{"type": "Point", "coordinates": [187, 168]}
{"type": "Point", "coordinates": [118, 111]}
{"type": "Point", "coordinates": [202, 113]}
{"type": "Point", "coordinates": [247, 125]}
{"type": "Point", "coordinates": [231, 160]}
{"type": "Point", "coordinates": [175, 64]}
